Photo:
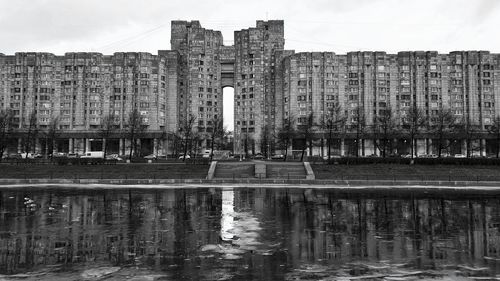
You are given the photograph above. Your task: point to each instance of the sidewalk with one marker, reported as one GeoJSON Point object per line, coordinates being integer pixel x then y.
{"type": "Point", "coordinates": [252, 182]}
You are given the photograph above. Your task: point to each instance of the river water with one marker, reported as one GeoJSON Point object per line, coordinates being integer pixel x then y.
{"type": "Point", "coordinates": [245, 234]}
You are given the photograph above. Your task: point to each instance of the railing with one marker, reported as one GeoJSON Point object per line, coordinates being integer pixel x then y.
{"type": "Point", "coordinates": [84, 161]}
{"type": "Point", "coordinates": [102, 175]}
{"type": "Point", "coordinates": [413, 177]}
{"type": "Point", "coordinates": [158, 175]}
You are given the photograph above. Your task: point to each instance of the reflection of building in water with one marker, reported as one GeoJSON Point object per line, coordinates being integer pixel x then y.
{"type": "Point", "coordinates": [227, 220]}
{"type": "Point", "coordinates": [429, 232]}
{"type": "Point", "coordinates": [239, 224]}
{"type": "Point", "coordinates": [154, 228]}
{"type": "Point", "coordinates": [161, 228]}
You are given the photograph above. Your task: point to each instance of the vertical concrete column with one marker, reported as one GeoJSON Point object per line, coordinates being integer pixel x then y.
{"type": "Point", "coordinates": [342, 150]}
{"type": "Point", "coordinates": [126, 145]}
{"type": "Point", "coordinates": [46, 145]}
{"type": "Point", "coordinates": [37, 147]}
{"type": "Point", "coordinates": [87, 145]}
{"type": "Point", "coordinates": [77, 145]}
{"type": "Point", "coordinates": [376, 151]}
{"type": "Point", "coordinates": [19, 145]}
{"type": "Point", "coordinates": [463, 147]}
{"type": "Point", "coordinates": [71, 148]}
{"type": "Point", "coordinates": [155, 146]}
{"type": "Point", "coordinates": [322, 151]}
{"type": "Point", "coordinates": [121, 146]}
{"type": "Point", "coordinates": [483, 147]}
{"type": "Point", "coordinates": [164, 146]}
{"type": "Point", "coordinates": [429, 146]}
{"type": "Point", "coordinates": [103, 144]}
{"type": "Point", "coordinates": [138, 146]}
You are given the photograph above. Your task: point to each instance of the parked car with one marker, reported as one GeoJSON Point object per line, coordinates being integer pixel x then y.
{"type": "Point", "coordinates": [478, 156]}
{"type": "Point", "coordinates": [405, 155]}
{"type": "Point", "coordinates": [14, 156]}
{"type": "Point", "coordinates": [150, 157]}
{"type": "Point", "coordinates": [459, 156]}
{"type": "Point", "coordinates": [73, 155]}
{"type": "Point", "coordinates": [93, 154]}
{"type": "Point", "coordinates": [277, 156]}
{"type": "Point", "coordinates": [27, 155]}
{"type": "Point", "coordinates": [258, 156]}
{"type": "Point", "coordinates": [114, 157]}
{"type": "Point", "coordinates": [427, 156]}
{"type": "Point", "coordinates": [331, 157]}
{"type": "Point", "coordinates": [59, 154]}
{"type": "Point", "coordinates": [187, 157]}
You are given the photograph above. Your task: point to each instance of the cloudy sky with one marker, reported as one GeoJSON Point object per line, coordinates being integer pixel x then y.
{"type": "Point", "coordinates": [106, 26]}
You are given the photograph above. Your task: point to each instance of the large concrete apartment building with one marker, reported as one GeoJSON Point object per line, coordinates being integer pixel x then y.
{"type": "Point", "coordinates": [271, 85]}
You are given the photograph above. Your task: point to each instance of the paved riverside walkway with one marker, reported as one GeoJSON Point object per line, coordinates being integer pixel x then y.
{"type": "Point", "coordinates": [189, 179]}
{"type": "Point", "coordinates": [341, 184]}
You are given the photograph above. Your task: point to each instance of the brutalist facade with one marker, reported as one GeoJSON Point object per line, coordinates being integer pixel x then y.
{"type": "Point", "coordinates": [271, 85]}
{"type": "Point", "coordinates": [79, 89]}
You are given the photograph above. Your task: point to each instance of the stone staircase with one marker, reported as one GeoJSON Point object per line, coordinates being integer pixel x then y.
{"type": "Point", "coordinates": [234, 170]}
{"type": "Point", "coordinates": [286, 171]}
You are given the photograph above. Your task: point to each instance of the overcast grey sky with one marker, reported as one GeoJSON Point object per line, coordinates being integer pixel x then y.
{"type": "Point", "coordinates": [106, 26]}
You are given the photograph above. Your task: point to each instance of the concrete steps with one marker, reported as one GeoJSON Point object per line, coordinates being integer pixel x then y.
{"type": "Point", "coordinates": [288, 171]}
{"type": "Point", "coordinates": [237, 171]}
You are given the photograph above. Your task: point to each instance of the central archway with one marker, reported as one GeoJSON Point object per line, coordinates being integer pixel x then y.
{"type": "Point", "coordinates": [228, 115]}
{"type": "Point", "coordinates": [228, 107]}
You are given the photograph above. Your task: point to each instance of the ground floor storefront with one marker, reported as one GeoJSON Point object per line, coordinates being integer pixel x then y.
{"type": "Point", "coordinates": [394, 147]}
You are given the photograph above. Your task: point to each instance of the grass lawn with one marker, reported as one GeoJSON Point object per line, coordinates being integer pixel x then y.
{"type": "Point", "coordinates": [118, 171]}
{"type": "Point", "coordinates": [407, 172]}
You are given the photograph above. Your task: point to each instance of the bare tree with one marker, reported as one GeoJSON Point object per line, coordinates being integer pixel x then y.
{"type": "Point", "coordinates": [286, 133]}
{"type": "Point", "coordinates": [266, 141]}
{"type": "Point", "coordinates": [32, 132]}
{"type": "Point", "coordinates": [6, 126]}
{"type": "Point", "coordinates": [224, 144]}
{"type": "Point", "coordinates": [333, 121]}
{"type": "Point", "coordinates": [107, 128]}
{"type": "Point", "coordinates": [359, 125]}
{"type": "Point", "coordinates": [246, 142]}
{"type": "Point", "coordinates": [52, 135]}
{"type": "Point", "coordinates": [135, 127]}
{"type": "Point", "coordinates": [413, 123]}
{"type": "Point", "coordinates": [494, 130]}
{"type": "Point", "coordinates": [216, 132]}
{"type": "Point", "coordinates": [306, 132]}
{"type": "Point", "coordinates": [187, 133]}
{"type": "Point", "coordinates": [442, 126]}
{"type": "Point", "coordinates": [176, 143]}
{"type": "Point", "coordinates": [383, 130]}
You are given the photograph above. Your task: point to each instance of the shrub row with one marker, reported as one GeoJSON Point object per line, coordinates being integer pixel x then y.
{"type": "Point", "coordinates": [420, 161]}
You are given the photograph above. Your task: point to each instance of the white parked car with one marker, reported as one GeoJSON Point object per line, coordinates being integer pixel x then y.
{"type": "Point", "coordinates": [459, 156]}
{"type": "Point", "coordinates": [93, 154]}
{"type": "Point", "coordinates": [27, 155]}
{"type": "Point", "coordinates": [187, 157]}
{"type": "Point", "coordinates": [113, 157]}
{"type": "Point", "coordinates": [331, 157]}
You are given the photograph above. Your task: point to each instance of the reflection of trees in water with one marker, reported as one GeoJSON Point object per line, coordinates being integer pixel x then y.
{"type": "Point", "coordinates": [107, 226]}
{"type": "Point", "coordinates": [164, 229]}
{"type": "Point", "coordinates": [429, 233]}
